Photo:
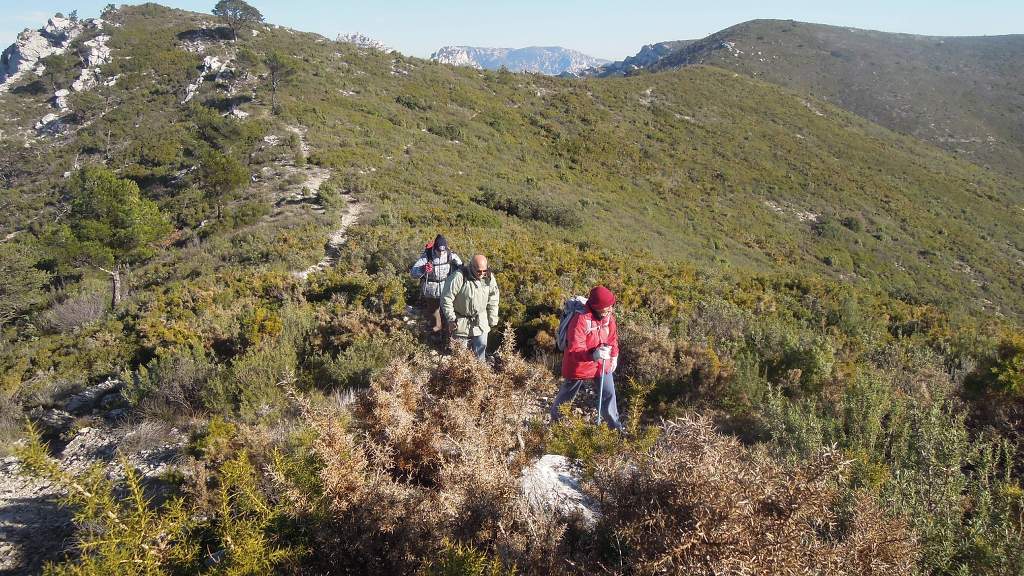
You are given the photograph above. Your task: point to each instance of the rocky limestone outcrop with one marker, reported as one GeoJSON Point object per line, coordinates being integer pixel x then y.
{"type": "Point", "coordinates": [55, 37]}
{"type": "Point", "coordinates": [33, 45]}
{"type": "Point", "coordinates": [551, 487]}
{"type": "Point", "coordinates": [649, 55]}
{"type": "Point", "coordinates": [212, 66]}
{"type": "Point", "coordinates": [363, 41]}
{"type": "Point", "coordinates": [97, 54]}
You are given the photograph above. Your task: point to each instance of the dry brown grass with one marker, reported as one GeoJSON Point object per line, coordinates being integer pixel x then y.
{"type": "Point", "coordinates": [433, 450]}
{"type": "Point", "coordinates": [701, 503]}
{"type": "Point", "coordinates": [434, 454]}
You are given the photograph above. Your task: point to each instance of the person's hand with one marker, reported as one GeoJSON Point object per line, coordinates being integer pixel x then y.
{"type": "Point", "coordinates": [428, 267]}
{"type": "Point", "coordinates": [602, 353]}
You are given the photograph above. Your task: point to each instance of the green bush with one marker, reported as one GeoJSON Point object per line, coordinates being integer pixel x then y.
{"type": "Point", "coordinates": [251, 386]}
{"type": "Point", "coordinates": [462, 560]}
{"type": "Point", "coordinates": [529, 207]}
{"type": "Point", "coordinates": [361, 359]}
{"type": "Point", "coordinates": [451, 132]}
{"type": "Point", "coordinates": [1002, 371]}
{"type": "Point", "coordinates": [170, 385]}
{"type": "Point", "coordinates": [413, 103]}
{"type": "Point", "coordinates": [854, 223]}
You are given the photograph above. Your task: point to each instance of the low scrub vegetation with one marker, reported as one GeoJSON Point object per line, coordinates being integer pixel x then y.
{"type": "Point", "coordinates": [821, 362]}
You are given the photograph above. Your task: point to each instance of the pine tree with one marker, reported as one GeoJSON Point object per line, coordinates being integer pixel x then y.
{"type": "Point", "coordinates": [281, 68]}
{"type": "Point", "coordinates": [57, 67]}
{"type": "Point", "coordinates": [222, 176]}
{"type": "Point", "coordinates": [110, 225]}
{"type": "Point", "coordinates": [21, 283]}
{"type": "Point", "coordinates": [237, 14]}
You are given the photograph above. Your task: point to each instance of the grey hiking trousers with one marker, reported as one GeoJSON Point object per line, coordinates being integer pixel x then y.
{"type": "Point", "coordinates": [609, 408]}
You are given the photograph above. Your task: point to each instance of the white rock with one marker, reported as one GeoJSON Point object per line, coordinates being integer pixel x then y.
{"type": "Point", "coordinates": [97, 55]}
{"type": "Point", "coordinates": [49, 122]}
{"type": "Point", "coordinates": [58, 27]}
{"type": "Point", "coordinates": [60, 99]}
{"type": "Point", "coordinates": [362, 41]}
{"type": "Point", "coordinates": [33, 45]}
{"type": "Point", "coordinates": [211, 65]}
{"type": "Point", "coordinates": [99, 52]}
{"type": "Point", "coordinates": [87, 399]}
{"type": "Point", "coordinates": [551, 486]}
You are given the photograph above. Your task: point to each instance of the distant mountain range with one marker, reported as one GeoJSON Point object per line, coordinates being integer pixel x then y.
{"type": "Point", "coordinates": [960, 93]}
{"type": "Point", "coordinates": [646, 57]}
{"type": "Point", "coordinates": [551, 60]}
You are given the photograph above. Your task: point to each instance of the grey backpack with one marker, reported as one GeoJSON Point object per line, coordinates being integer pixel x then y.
{"type": "Point", "coordinates": [573, 306]}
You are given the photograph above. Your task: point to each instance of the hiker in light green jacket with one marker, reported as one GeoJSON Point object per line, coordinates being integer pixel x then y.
{"type": "Point", "coordinates": [469, 303]}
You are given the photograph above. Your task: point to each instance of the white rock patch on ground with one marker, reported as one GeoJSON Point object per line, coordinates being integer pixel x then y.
{"type": "Point", "coordinates": [34, 527]}
{"type": "Point", "coordinates": [211, 65]}
{"type": "Point", "coordinates": [551, 486]}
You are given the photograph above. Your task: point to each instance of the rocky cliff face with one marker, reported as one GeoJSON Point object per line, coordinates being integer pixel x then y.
{"type": "Point", "coordinates": [33, 45]}
{"type": "Point", "coordinates": [646, 57]}
{"type": "Point", "coordinates": [551, 60]}
{"type": "Point", "coordinates": [58, 36]}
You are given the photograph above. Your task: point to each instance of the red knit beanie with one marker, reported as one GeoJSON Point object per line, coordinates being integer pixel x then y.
{"type": "Point", "coordinates": [600, 297]}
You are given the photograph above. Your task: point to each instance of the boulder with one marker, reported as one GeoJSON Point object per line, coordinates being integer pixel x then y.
{"type": "Point", "coordinates": [51, 423]}
{"type": "Point", "coordinates": [551, 486]}
{"type": "Point", "coordinates": [60, 99]}
{"type": "Point", "coordinates": [87, 399]}
{"type": "Point", "coordinates": [50, 123]}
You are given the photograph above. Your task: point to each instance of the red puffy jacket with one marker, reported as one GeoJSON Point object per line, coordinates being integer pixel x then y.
{"type": "Point", "coordinates": [585, 334]}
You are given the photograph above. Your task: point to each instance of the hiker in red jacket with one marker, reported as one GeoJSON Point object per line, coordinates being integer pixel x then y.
{"type": "Point", "coordinates": [592, 343]}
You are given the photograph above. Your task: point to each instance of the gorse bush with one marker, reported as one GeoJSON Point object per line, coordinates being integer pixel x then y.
{"type": "Point", "coordinates": [128, 534]}
{"type": "Point", "coordinates": [459, 560]}
{"type": "Point", "coordinates": [1002, 372]}
{"type": "Point", "coordinates": [171, 385]}
{"type": "Point", "coordinates": [702, 504]}
{"type": "Point", "coordinates": [918, 456]}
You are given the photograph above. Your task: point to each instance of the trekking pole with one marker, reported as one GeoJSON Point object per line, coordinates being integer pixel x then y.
{"type": "Point", "coordinates": [600, 393]}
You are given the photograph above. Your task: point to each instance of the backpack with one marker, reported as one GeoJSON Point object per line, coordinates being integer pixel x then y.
{"type": "Point", "coordinates": [573, 306]}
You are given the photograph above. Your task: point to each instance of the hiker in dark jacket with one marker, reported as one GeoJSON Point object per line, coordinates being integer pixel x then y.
{"type": "Point", "coordinates": [592, 346]}
{"type": "Point", "coordinates": [433, 267]}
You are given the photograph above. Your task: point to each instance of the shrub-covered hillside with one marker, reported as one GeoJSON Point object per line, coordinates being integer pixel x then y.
{"type": "Point", "coordinates": [829, 310]}
{"type": "Point", "coordinates": [959, 93]}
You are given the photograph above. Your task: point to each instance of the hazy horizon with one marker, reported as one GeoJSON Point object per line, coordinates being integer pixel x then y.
{"type": "Point", "coordinates": [602, 29]}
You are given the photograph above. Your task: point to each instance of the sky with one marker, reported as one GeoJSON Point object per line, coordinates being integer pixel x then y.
{"type": "Point", "coordinates": [611, 29]}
